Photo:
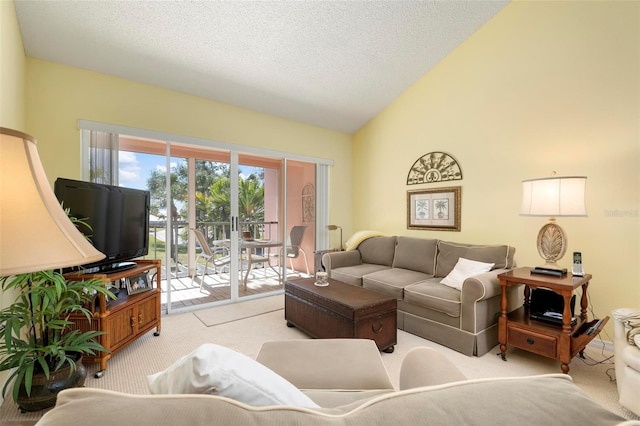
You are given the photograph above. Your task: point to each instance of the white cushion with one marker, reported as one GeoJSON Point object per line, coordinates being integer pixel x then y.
{"type": "Point", "coordinates": [464, 269]}
{"type": "Point", "coordinates": [217, 370]}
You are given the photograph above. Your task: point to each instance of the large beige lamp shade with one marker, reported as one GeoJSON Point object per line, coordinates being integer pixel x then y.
{"type": "Point", "coordinates": [553, 197]}
{"type": "Point", "coordinates": [35, 232]}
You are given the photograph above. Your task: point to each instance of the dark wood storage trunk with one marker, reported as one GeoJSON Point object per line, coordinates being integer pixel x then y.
{"type": "Point", "coordinates": [341, 311]}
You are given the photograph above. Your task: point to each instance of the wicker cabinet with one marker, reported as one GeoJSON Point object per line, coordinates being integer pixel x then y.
{"type": "Point", "coordinates": [125, 318]}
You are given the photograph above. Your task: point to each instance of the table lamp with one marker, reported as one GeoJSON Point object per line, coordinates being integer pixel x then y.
{"type": "Point", "coordinates": [553, 197]}
{"type": "Point", "coordinates": [333, 228]}
{"type": "Point", "coordinates": [35, 232]}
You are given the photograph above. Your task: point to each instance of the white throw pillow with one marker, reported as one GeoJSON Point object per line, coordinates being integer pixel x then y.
{"type": "Point", "coordinates": [464, 269]}
{"type": "Point", "coordinates": [217, 370]}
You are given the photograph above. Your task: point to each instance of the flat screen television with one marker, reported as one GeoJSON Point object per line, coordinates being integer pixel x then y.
{"type": "Point", "coordinates": [118, 216]}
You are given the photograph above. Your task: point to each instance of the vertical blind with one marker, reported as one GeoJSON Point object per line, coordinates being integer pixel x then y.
{"type": "Point", "coordinates": [101, 160]}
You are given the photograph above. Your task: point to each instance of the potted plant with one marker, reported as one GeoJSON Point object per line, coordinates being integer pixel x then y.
{"type": "Point", "coordinates": [36, 338]}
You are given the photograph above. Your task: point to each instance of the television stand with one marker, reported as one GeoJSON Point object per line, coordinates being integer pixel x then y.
{"type": "Point", "coordinates": [125, 318]}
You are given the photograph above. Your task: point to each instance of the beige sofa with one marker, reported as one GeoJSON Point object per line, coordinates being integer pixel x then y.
{"type": "Point", "coordinates": [365, 391]}
{"type": "Point", "coordinates": [411, 270]}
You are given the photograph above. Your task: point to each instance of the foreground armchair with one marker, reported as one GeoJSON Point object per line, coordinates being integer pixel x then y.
{"type": "Point", "coordinates": [626, 343]}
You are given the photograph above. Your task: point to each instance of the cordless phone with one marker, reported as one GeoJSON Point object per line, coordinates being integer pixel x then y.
{"type": "Point", "coordinates": [577, 264]}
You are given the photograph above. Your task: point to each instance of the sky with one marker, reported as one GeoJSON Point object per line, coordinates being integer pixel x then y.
{"type": "Point", "coordinates": [135, 168]}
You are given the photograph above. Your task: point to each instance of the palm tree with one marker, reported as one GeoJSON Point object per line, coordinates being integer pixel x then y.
{"type": "Point", "coordinates": [216, 205]}
{"type": "Point", "coordinates": [251, 200]}
{"type": "Point", "coordinates": [441, 206]}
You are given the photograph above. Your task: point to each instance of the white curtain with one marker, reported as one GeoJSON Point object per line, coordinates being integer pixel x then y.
{"type": "Point", "coordinates": [322, 206]}
{"type": "Point", "coordinates": [100, 157]}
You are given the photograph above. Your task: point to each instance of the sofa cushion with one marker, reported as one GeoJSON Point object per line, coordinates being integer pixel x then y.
{"type": "Point", "coordinates": [353, 274]}
{"type": "Point", "coordinates": [217, 370]}
{"type": "Point", "coordinates": [392, 281]}
{"type": "Point", "coordinates": [378, 250]}
{"type": "Point", "coordinates": [416, 254]}
{"type": "Point", "coordinates": [464, 269]}
{"type": "Point", "coordinates": [449, 253]}
{"type": "Point", "coordinates": [433, 295]}
{"type": "Point", "coordinates": [350, 370]}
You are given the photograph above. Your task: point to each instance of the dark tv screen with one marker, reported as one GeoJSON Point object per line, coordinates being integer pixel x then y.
{"type": "Point", "coordinates": [118, 216]}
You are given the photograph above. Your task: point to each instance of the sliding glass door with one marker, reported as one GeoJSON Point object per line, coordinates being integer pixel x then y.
{"type": "Point", "coordinates": [226, 224]}
{"type": "Point", "coordinates": [201, 186]}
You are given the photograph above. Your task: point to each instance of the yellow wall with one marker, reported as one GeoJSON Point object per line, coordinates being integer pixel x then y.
{"type": "Point", "coordinates": [12, 66]}
{"type": "Point", "coordinates": [543, 86]}
{"type": "Point", "coordinates": [58, 95]}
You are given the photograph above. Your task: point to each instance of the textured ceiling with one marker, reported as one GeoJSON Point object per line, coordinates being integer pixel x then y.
{"type": "Point", "coordinates": [333, 64]}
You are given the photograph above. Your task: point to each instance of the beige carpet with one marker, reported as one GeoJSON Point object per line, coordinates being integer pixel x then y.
{"type": "Point", "coordinates": [182, 333]}
{"type": "Point", "coordinates": [236, 311]}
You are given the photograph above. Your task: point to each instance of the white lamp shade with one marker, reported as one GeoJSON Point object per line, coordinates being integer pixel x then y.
{"type": "Point", "coordinates": [35, 232]}
{"type": "Point", "coordinates": [554, 196]}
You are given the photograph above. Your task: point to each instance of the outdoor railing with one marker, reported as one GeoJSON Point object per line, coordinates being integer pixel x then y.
{"type": "Point", "coordinates": [211, 230]}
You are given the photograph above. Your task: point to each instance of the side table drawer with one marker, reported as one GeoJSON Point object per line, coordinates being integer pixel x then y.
{"type": "Point", "coordinates": [532, 341]}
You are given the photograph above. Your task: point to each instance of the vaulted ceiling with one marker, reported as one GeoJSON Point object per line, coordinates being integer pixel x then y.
{"type": "Point", "coordinates": [333, 64]}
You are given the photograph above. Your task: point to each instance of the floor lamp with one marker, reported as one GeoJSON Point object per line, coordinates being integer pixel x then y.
{"type": "Point", "coordinates": [333, 228]}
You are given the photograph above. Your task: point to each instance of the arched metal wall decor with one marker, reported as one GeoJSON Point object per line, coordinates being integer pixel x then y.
{"type": "Point", "coordinates": [434, 167]}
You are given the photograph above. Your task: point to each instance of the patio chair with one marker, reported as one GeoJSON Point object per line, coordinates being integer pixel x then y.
{"type": "Point", "coordinates": [251, 259]}
{"type": "Point", "coordinates": [219, 256]}
{"type": "Point", "coordinates": [293, 248]}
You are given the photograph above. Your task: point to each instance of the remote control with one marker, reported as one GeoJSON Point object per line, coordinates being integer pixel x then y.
{"type": "Point", "coordinates": [549, 271]}
{"type": "Point", "coordinates": [542, 268]}
{"type": "Point", "coordinates": [577, 264]}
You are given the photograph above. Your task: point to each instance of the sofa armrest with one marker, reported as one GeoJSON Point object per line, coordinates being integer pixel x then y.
{"type": "Point", "coordinates": [481, 287]}
{"type": "Point", "coordinates": [480, 300]}
{"type": "Point", "coordinates": [424, 366]}
{"type": "Point", "coordinates": [340, 259]}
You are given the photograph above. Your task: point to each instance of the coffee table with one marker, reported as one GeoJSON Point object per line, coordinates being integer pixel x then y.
{"type": "Point", "coordinates": [341, 310]}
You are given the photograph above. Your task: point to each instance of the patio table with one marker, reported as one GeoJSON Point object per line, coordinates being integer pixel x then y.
{"type": "Point", "coordinates": [251, 246]}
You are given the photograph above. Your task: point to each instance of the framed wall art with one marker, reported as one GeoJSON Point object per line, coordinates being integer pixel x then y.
{"type": "Point", "coordinates": [435, 209]}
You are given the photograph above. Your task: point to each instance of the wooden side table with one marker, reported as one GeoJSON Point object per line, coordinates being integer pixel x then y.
{"type": "Point", "coordinates": [558, 342]}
